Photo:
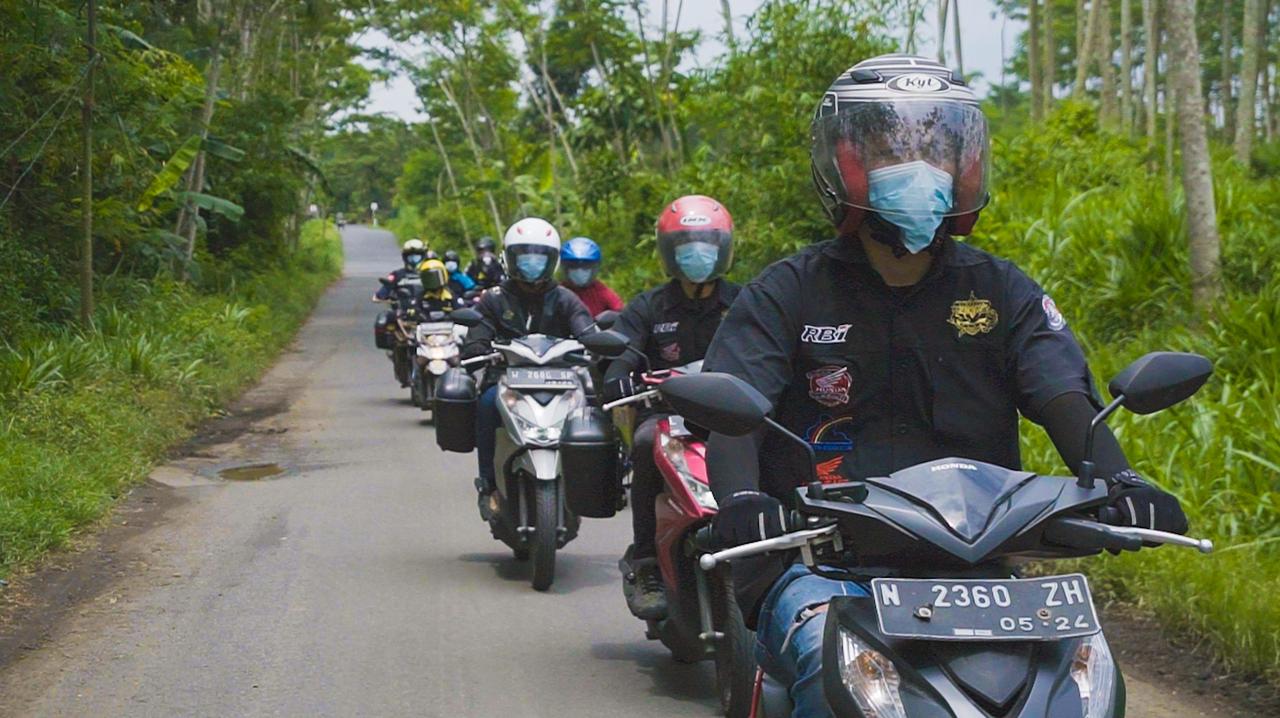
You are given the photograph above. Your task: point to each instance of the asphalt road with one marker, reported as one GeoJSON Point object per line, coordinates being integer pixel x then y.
{"type": "Point", "coordinates": [360, 582]}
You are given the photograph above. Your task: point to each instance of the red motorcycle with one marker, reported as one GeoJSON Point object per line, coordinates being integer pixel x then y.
{"type": "Point", "coordinates": [703, 620]}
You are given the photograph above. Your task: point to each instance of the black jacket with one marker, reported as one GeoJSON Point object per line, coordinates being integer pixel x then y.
{"type": "Point", "coordinates": [510, 313]}
{"type": "Point", "coordinates": [878, 378]}
{"type": "Point", "coordinates": [670, 328]}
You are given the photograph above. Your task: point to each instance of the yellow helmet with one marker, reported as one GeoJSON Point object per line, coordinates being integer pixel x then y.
{"type": "Point", "coordinates": [434, 275]}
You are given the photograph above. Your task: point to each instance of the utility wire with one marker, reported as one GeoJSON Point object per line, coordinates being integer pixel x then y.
{"type": "Point", "coordinates": [39, 152]}
{"type": "Point", "coordinates": [83, 73]}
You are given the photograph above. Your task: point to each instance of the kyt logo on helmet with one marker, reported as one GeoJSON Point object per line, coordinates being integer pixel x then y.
{"type": "Point", "coordinates": [900, 144]}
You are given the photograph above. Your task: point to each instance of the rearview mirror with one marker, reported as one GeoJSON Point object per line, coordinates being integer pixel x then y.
{"type": "Point", "coordinates": [467, 317]}
{"type": "Point", "coordinates": [722, 403]}
{"type": "Point", "coordinates": [607, 344]}
{"type": "Point", "coordinates": [606, 319]}
{"type": "Point", "coordinates": [1159, 380]}
{"type": "Point", "coordinates": [385, 282]}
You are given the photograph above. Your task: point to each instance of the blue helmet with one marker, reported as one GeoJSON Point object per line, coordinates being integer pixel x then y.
{"type": "Point", "coordinates": [580, 258]}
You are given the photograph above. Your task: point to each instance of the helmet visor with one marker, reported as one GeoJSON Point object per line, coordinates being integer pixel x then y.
{"type": "Point", "coordinates": [531, 262]}
{"type": "Point", "coordinates": [859, 138]}
{"type": "Point", "coordinates": [696, 255]}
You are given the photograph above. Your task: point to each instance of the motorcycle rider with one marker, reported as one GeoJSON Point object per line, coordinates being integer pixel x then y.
{"type": "Point", "coordinates": [485, 270]}
{"type": "Point", "coordinates": [580, 258]}
{"type": "Point", "coordinates": [672, 325]}
{"type": "Point", "coordinates": [437, 295]}
{"type": "Point", "coordinates": [459, 282]}
{"type": "Point", "coordinates": [891, 345]}
{"type": "Point", "coordinates": [412, 253]}
{"type": "Point", "coordinates": [527, 302]}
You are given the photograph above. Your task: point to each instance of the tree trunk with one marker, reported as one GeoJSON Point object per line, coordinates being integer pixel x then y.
{"type": "Point", "coordinates": [728, 23]}
{"type": "Point", "coordinates": [1106, 64]}
{"type": "Point", "coordinates": [955, 30]}
{"type": "Point", "coordinates": [1150, 66]}
{"type": "Point", "coordinates": [213, 73]}
{"type": "Point", "coordinates": [453, 181]}
{"type": "Point", "coordinates": [475, 147]}
{"type": "Point", "coordinates": [1170, 127]}
{"type": "Point", "coordinates": [1126, 65]}
{"type": "Point", "coordinates": [1197, 173]}
{"type": "Point", "coordinates": [1084, 52]}
{"type": "Point", "coordinates": [1049, 62]}
{"type": "Point", "coordinates": [942, 31]}
{"type": "Point", "coordinates": [1226, 24]}
{"type": "Point", "coordinates": [1033, 60]}
{"type": "Point", "coordinates": [86, 170]}
{"type": "Point", "coordinates": [619, 139]}
{"type": "Point", "coordinates": [1247, 108]}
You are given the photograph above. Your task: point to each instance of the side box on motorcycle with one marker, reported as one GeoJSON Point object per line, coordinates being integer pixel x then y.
{"type": "Point", "coordinates": [455, 411]}
{"type": "Point", "coordinates": [382, 337]}
{"type": "Point", "coordinates": [589, 461]}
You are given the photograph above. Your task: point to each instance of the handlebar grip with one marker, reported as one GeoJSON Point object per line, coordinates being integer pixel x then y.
{"type": "Point", "coordinates": [704, 539]}
{"type": "Point", "coordinates": [1088, 535]}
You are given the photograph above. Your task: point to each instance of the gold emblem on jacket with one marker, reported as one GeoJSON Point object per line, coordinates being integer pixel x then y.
{"type": "Point", "coordinates": [973, 316]}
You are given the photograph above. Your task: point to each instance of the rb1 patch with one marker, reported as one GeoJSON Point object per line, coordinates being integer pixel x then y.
{"type": "Point", "coordinates": [830, 385]}
{"type": "Point", "coordinates": [1051, 314]}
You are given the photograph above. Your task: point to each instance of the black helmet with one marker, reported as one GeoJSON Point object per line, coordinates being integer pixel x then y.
{"type": "Point", "coordinates": [902, 140]}
{"type": "Point", "coordinates": [486, 244]}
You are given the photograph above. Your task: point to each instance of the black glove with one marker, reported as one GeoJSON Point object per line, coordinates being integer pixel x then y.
{"type": "Point", "coordinates": [749, 516]}
{"type": "Point", "coordinates": [1134, 502]}
{"type": "Point", "coordinates": [618, 389]}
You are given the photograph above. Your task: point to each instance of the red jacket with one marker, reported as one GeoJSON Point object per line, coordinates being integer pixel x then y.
{"type": "Point", "coordinates": [597, 296]}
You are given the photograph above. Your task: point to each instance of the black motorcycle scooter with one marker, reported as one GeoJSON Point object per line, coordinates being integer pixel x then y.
{"type": "Point", "coordinates": [950, 629]}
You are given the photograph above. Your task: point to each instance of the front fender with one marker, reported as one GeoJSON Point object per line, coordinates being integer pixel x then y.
{"type": "Point", "coordinates": [543, 464]}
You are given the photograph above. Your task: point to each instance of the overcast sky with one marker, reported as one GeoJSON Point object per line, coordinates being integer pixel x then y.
{"type": "Point", "coordinates": [982, 36]}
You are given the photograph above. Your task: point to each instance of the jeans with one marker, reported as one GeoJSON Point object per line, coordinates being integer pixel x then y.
{"type": "Point", "coordinates": [487, 425]}
{"type": "Point", "coordinates": [789, 635]}
{"type": "Point", "coordinates": [646, 484]}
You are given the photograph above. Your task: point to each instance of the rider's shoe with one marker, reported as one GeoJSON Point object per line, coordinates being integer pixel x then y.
{"type": "Point", "coordinates": [642, 586]}
{"type": "Point", "coordinates": [487, 500]}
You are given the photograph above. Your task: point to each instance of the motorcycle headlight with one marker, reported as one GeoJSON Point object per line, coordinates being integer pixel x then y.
{"type": "Point", "coordinates": [437, 366]}
{"type": "Point", "coordinates": [870, 677]}
{"type": "Point", "coordinates": [439, 340]}
{"type": "Point", "coordinates": [1094, 672]}
{"type": "Point", "coordinates": [529, 429]}
{"type": "Point", "coordinates": [674, 449]}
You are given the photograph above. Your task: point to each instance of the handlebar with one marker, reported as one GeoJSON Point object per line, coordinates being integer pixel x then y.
{"type": "Point", "coordinates": [482, 359]}
{"type": "Point", "coordinates": [1074, 533]}
{"type": "Point", "coordinates": [644, 396]}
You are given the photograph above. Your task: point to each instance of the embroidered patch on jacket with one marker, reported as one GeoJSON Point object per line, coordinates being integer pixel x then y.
{"type": "Point", "coordinates": [665, 327]}
{"type": "Point", "coordinates": [670, 352]}
{"type": "Point", "coordinates": [829, 471]}
{"type": "Point", "coordinates": [973, 316]}
{"type": "Point", "coordinates": [829, 385]}
{"type": "Point", "coordinates": [824, 335]}
{"type": "Point", "coordinates": [1051, 314]}
{"type": "Point", "coordinates": [829, 434]}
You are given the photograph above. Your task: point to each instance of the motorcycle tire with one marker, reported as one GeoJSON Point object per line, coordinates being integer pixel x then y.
{"type": "Point", "coordinates": [734, 655]}
{"type": "Point", "coordinates": [546, 499]}
{"type": "Point", "coordinates": [415, 390]}
{"type": "Point", "coordinates": [401, 363]}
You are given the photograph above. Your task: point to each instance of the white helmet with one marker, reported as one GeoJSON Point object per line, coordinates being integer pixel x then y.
{"type": "Point", "coordinates": [532, 250]}
{"type": "Point", "coordinates": [413, 252]}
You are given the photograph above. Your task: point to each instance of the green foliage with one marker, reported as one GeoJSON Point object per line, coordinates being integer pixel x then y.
{"type": "Point", "coordinates": [86, 414]}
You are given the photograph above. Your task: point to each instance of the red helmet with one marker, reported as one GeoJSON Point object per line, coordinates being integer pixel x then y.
{"type": "Point", "coordinates": [695, 239]}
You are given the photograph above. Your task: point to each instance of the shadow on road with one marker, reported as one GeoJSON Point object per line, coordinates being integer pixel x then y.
{"type": "Point", "coordinates": [694, 683]}
{"type": "Point", "coordinates": [574, 572]}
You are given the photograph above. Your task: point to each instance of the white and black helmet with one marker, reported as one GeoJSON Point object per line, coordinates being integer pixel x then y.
{"type": "Point", "coordinates": [531, 248]}
{"type": "Point", "coordinates": [899, 110]}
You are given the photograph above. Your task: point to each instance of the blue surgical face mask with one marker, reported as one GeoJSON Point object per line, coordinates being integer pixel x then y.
{"type": "Point", "coordinates": [413, 260]}
{"type": "Point", "coordinates": [697, 260]}
{"type": "Point", "coordinates": [915, 197]}
{"type": "Point", "coordinates": [581, 276]}
{"type": "Point", "coordinates": [451, 266]}
{"type": "Point", "coordinates": [531, 266]}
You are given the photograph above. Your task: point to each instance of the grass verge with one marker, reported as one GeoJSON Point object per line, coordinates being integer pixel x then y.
{"type": "Point", "coordinates": [83, 415]}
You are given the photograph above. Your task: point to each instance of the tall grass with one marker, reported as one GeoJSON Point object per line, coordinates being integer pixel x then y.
{"type": "Point", "coordinates": [85, 414]}
{"type": "Point", "coordinates": [1080, 211]}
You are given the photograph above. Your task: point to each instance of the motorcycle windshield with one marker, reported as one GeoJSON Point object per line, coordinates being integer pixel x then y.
{"type": "Point", "coordinates": [964, 494]}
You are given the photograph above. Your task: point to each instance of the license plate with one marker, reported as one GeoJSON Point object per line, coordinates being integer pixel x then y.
{"type": "Point", "coordinates": [1028, 609]}
{"type": "Point", "coordinates": [526, 377]}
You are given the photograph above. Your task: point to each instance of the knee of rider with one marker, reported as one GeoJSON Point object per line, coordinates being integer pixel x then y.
{"type": "Point", "coordinates": [806, 643]}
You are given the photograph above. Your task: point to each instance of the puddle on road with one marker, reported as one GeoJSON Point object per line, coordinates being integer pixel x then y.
{"type": "Point", "coordinates": [251, 472]}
